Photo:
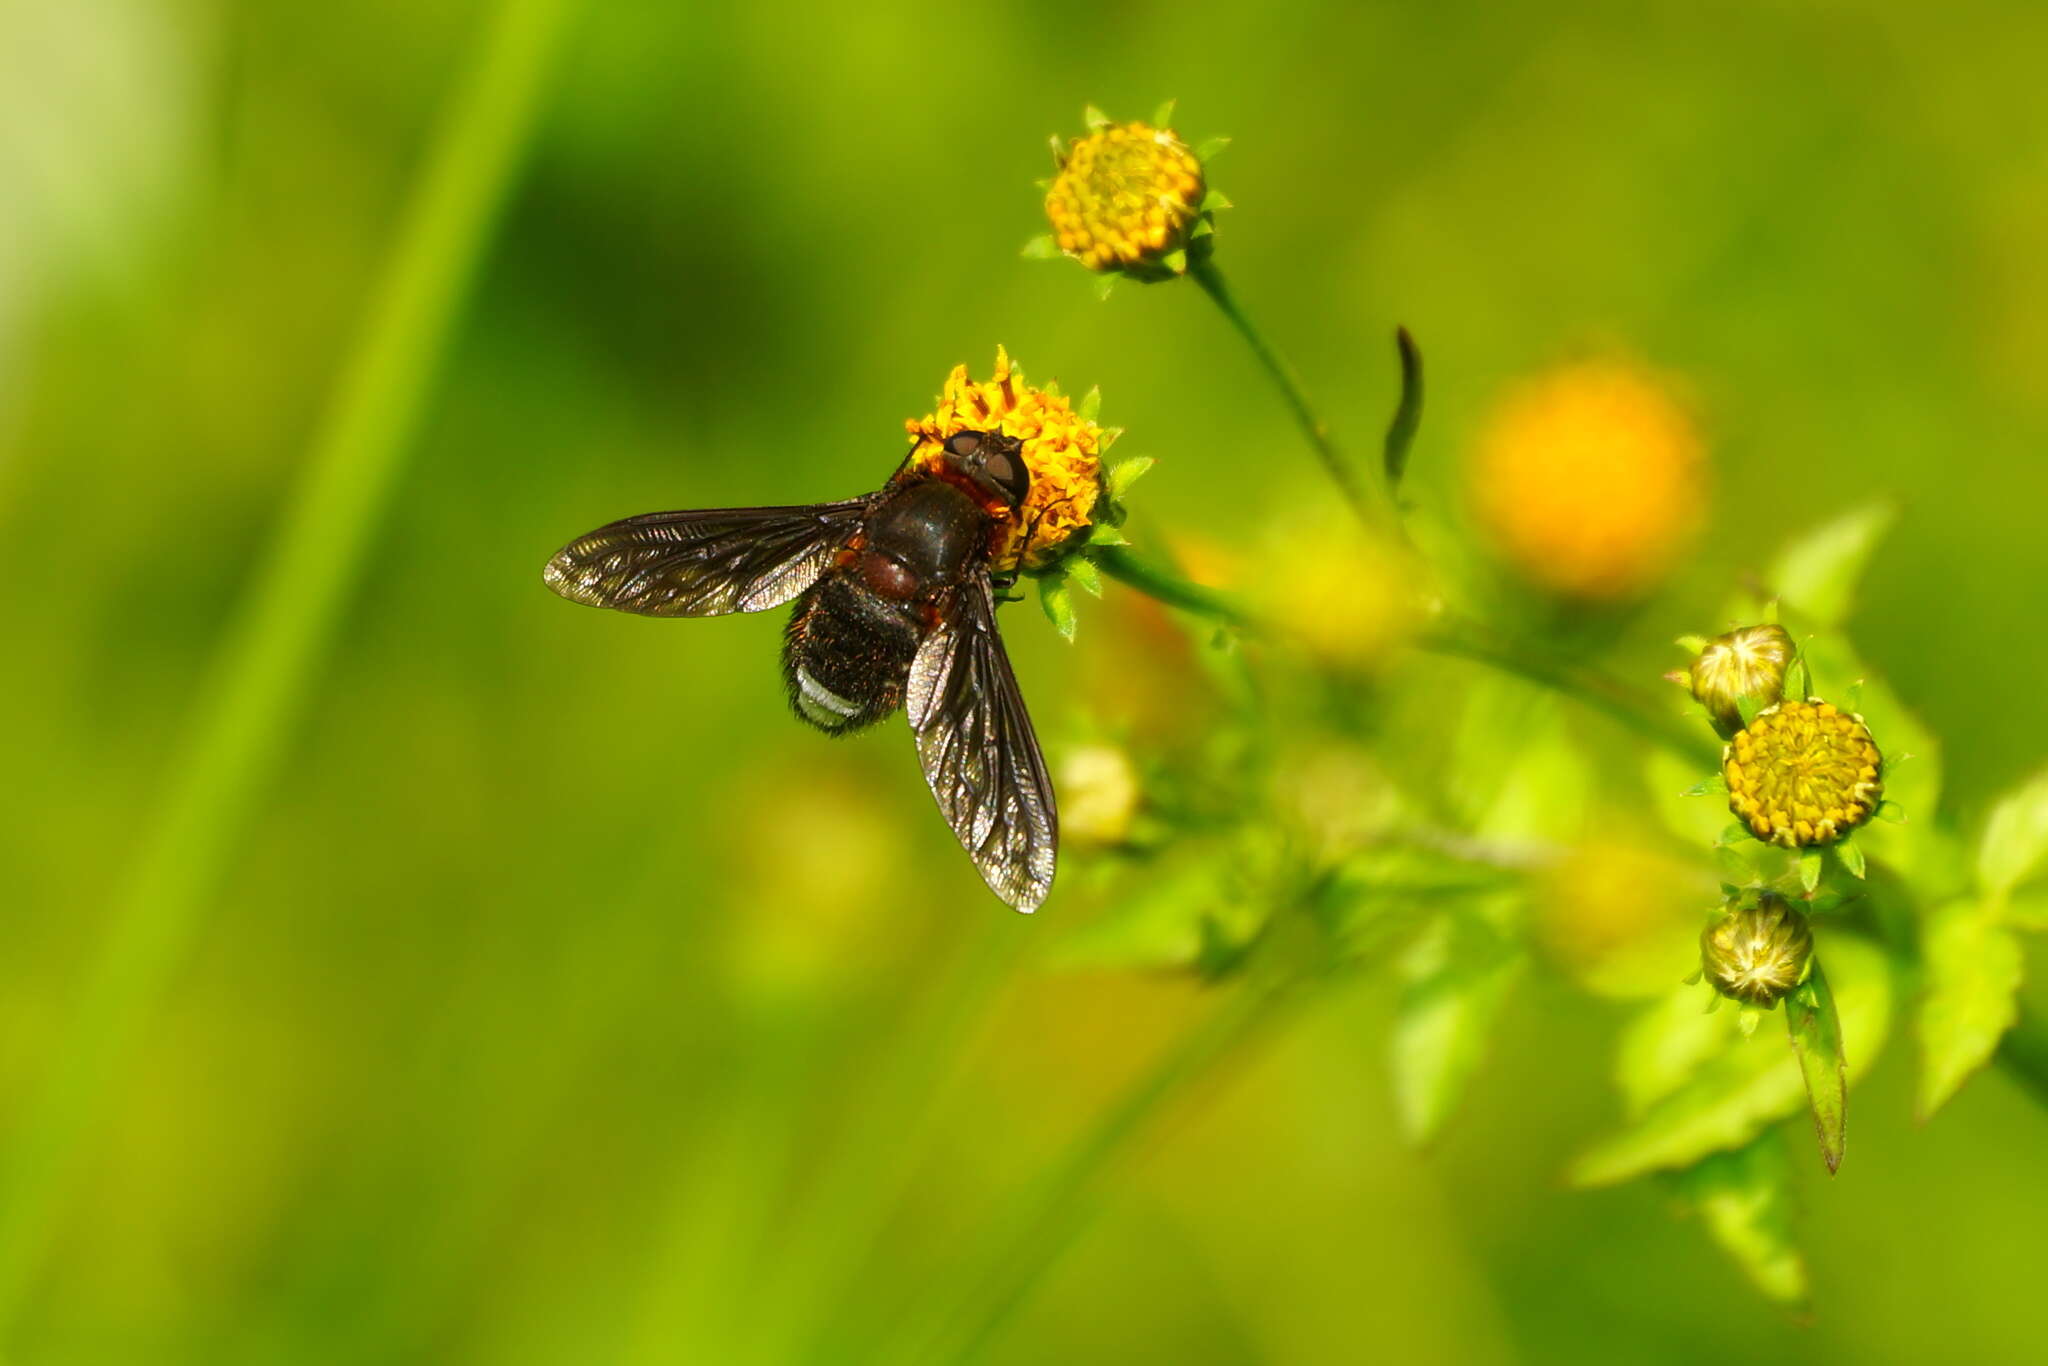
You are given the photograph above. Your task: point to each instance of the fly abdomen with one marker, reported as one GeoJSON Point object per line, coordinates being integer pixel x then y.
{"type": "Point", "coordinates": [847, 653]}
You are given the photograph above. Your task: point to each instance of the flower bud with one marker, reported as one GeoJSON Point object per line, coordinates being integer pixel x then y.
{"type": "Point", "coordinates": [1803, 773]}
{"type": "Point", "coordinates": [1126, 199]}
{"type": "Point", "coordinates": [1746, 664]}
{"type": "Point", "coordinates": [1757, 954]}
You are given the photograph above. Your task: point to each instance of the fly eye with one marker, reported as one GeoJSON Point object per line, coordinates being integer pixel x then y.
{"type": "Point", "coordinates": [1005, 469]}
{"type": "Point", "coordinates": [964, 444]}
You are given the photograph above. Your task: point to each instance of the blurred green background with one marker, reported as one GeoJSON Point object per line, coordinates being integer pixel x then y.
{"type": "Point", "coordinates": [565, 1001]}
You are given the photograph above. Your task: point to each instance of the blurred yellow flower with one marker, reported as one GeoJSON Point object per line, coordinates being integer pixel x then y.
{"type": "Point", "coordinates": [1589, 480]}
{"type": "Point", "coordinates": [1347, 598]}
{"type": "Point", "coordinates": [1619, 919]}
{"type": "Point", "coordinates": [1125, 198]}
{"type": "Point", "coordinates": [1803, 772]}
{"type": "Point", "coordinates": [1062, 449]}
{"type": "Point", "coordinates": [1098, 795]}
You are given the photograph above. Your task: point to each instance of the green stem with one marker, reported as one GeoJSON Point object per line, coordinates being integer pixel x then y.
{"type": "Point", "coordinates": [1166, 586]}
{"type": "Point", "coordinates": [1370, 510]}
{"type": "Point", "coordinates": [1056, 1206]}
{"type": "Point", "coordinates": [265, 666]}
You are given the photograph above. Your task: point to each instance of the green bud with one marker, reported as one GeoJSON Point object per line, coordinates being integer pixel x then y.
{"type": "Point", "coordinates": [1757, 954]}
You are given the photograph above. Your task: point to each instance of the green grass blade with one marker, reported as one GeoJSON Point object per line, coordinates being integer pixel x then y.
{"type": "Point", "coordinates": [259, 681]}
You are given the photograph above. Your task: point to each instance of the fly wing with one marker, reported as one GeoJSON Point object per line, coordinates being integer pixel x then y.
{"type": "Point", "coordinates": [980, 754]}
{"type": "Point", "coordinates": [704, 564]}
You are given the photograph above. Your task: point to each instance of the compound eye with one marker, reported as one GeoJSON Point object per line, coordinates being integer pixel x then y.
{"type": "Point", "coordinates": [1005, 469]}
{"type": "Point", "coordinates": [964, 445]}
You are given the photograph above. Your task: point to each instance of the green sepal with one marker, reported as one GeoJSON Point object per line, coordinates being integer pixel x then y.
{"type": "Point", "coordinates": [1852, 697]}
{"type": "Point", "coordinates": [1125, 473]}
{"type": "Point", "coordinates": [1059, 157]}
{"type": "Point", "coordinates": [1890, 812]}
{"type": "Point", "coordinates": [1693, 645]}
{"type": "Point", "coordinates": [1809, 868]}
{"type": "Point", "coordinates": [1094, 117]}
{"type": "Point", "coordinates": [1733, 835]}
{"type": "Point", "coordinates": [1852, 857]}
{"type": "Point", "coordinates": [1162, 117]}
{"type": "Point", "coordinates": [1091, 404]}
{"type": "Point", "coordinates": [1216, 200]}
{"type": "Point", "coordinates": [1108, 437]}
{"type": "Point", "coordinates": [1802, 673]}
{"type": "Point", "coordinates": [1058, 601]}
{"type": "Point", "coordinates": [1210, 148]}
{"type": "Point", "coordinates": [1082, 571]}
{"type": "Point", "coordinates": [1106, 535]}
{"type": "Point", "coordinates": [1747, 707]}
{"type": "Point", "coordinates": [1203, 228]}
{"type": "Point", "coordinates": [1708, 787]}
{"type": "Point", "coordinates": [1105, 284]}
{"type": "Point", "coordinates": [1176, 260]}
{"type": "Point", "coordinates": [1044, 247]}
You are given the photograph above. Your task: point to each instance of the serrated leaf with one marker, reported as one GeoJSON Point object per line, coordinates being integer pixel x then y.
{"type": "Point", "coordinates": [1818, 572]}
{"type": "Point", "coordinates": [1210, 148]}
{"type": "Point", "coordinates": [1042, 248]}
{"type": "Point", "coordinates": [1125, 473]}
{"type": "Point", "coordinates": [2015, 842]}
{"type": "Point", "coordinates": [1970, 968]}
{"type": "Point", "coordinates": [1744, 1200]}
{"type": "Point", "coordinates": [1082, 571]}
{"type": "Point", "coordinates": [1816, 1030]}
{"type": "Point", "coordinates": [1058, 602]}
{"type": "Point", "coordinates": [1693, 1086]}
{"type": "Point", "coordinates": [1458, 977]}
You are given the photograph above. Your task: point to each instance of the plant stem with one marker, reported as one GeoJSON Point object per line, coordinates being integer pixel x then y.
{"type": "Point", "coordinates": [1165, 586]}
{"type": "Point", "coordinates": [1371, 511]}
{"type": "Point", "coordinates": [264, 668]}
{"type": "Point", "coordinates": [1055, 1207]}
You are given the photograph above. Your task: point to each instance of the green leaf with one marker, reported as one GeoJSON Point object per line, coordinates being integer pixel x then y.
{"type": "Point", "coordinates": [1457, 978]}
{"type": "Point", "coordinates": [1125, 473]}
{"type": "Point", "coordinates": [1693, 1086]}
{"type": "Point", "coordinates": [2027, 910]}
{"type": "Point", "coordinates": [1210, 148]}
{"type": "Point", "coordinates": [1970, 965]}
{"type": "Point", "coordinates": [1816, 1030]}
{"type": "Point", "coordinates": [2015, 842]}
{"type": "Point", "coordinates": [1408, 412]}
{"type": "Point", "coordinates": [1818, 573]}
{"type": "Point", "coordinates": [1042, 248]}
{"type": "Point", "coordinates": [1744, 1200]}
{"type": "Point", "coordinates": [1851, 855]}
{"type": "Point", "coordinates": [1809, 868]}
{"type": "Point", "coordinates": [1058, 601]}
{"type": "Point", "coordinates": [1083, 572]}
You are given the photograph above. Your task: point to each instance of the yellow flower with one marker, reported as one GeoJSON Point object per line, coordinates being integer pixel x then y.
{"type": "Point", "coordinates": [1803, 772]}
{"type": "Point", "coordinates": [1589, 480]}
{"type": "Point", "coordinates": [1126, 198]}
{"type": "Point", "coordinates": [1744, 664]}
{"type": "Point", "coordinates": [1757, 954]}
{"type": "Point", "coordinates": [1062, 450]}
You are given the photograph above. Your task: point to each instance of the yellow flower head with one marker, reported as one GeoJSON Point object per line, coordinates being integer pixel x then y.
{"type": "Point", "coordinates": [1062, 450]}
{"type": "Point", "coordinates": [1126, 198]}
{"type": "Point", "coordinates": [1589, 480]}
{"type": "Point", "coordinates": [1803, 772]}
{"type": "Point", "coordinates": [1757, 954]}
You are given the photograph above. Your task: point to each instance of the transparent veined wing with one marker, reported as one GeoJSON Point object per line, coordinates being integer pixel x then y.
{"type": "Point", "coordinates": [704, 563]}
{"type": "Point", "coordinates": [979, 751]}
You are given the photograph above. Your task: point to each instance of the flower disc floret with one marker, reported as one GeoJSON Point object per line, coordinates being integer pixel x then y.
{"type": "Point", "coordinates": [1803, 773]}
{"type": "Point", "coordinates": [1062, 451]}
{"type": "Point", "coordinates": [1126, 196]}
